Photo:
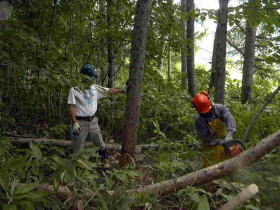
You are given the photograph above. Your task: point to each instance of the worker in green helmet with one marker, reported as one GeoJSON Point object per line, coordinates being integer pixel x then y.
{"type": "Point", "coordinates": [82, 103]}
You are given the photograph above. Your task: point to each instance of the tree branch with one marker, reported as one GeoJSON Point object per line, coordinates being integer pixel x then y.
{"type": "Point", "coordinates": [66, 143]}
{"type": "Point", "coordinates": [216, 171]}
{"type": "Point", "coordinates": [256, 117]}
{"type": "Point", "coordinates": [243, 196]}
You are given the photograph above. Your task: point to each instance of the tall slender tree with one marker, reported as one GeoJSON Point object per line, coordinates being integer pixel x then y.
{"type": "Point", "coordinates": [218, 68]}
{"type": "Point", "coordinates": [190, 48]}
{"type": "Point", "coordinates": [184, 47]}
{"type": "Point", "coordinates": [137, 59]}
{"type": "Point", "coordinates": [249, 56]}
{"type": "Point", "coordinates": [110, 48]}
{"type": "Point", "coordinates": [5, 13]}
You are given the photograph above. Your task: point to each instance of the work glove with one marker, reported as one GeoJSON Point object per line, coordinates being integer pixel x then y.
{"type": "Point", "coordinates": [76, 129]}
{"type": "Point", "coordinates": [125, 89]}
{"type": "Point", "coordinates": [229, 136]}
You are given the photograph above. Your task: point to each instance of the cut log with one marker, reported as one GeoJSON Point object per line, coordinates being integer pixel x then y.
{"type": "Point", "coordinates": [199, 177]}
{"type": "Point", "coordinates": [67, 143]}
{"type": "Point", "coordinates": [216, 171]}
{"type": "Point", "coordinates": [243, 196]}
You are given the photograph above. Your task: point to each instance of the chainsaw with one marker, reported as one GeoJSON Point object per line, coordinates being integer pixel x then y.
{"type": "Point", "coordinates": [232, 147]}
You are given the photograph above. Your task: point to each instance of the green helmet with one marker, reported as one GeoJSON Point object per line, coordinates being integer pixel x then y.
{"type": "Point", "coordinates": [89, 70]}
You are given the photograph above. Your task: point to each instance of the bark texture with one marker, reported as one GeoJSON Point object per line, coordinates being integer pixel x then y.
{"type": "Point", "coordinates": [249, 62]}
{"type": "Point", "coordinates": [138, 50]}
{"type": "Point", "coordinates": [184, 47]}
{"type": "Point", "coordinates": [66, 143]}
{"type": "Point", "coordinates": [218, 68]}
{"type": "Point", "coordinates": [110, 47]}
{"type": "Point", "coordinates": [246, 194]}
{"type": "Point", "coordinates": [216, 171]}
{"type": "Point", "coordinates": [190, 48]}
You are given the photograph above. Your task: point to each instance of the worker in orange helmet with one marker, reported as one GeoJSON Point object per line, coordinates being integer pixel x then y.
{"type": "Point", "coordinates": [214, 123]}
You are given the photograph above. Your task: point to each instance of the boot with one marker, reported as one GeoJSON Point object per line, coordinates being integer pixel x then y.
{"type": "Point", "coordinates": [105, 163]}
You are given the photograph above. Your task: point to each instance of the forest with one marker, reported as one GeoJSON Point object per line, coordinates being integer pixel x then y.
{"type": "Point", "coordinates": [146, 50]}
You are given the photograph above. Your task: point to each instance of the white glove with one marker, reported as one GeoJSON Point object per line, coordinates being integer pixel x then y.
{"type": "Point", "coordinates": [229, 136]}
{"type": "Point", "coordinates": [101, 89]}
{"type": "Point", "coordinates": [76, 129]}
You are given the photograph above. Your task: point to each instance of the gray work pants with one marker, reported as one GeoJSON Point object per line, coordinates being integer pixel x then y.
{"type": "Point", "coordinates": [90, 131]}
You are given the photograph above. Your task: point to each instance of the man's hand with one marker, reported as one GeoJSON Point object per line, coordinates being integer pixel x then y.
{"type": "Point", "coordinates": [124, 90]}
{"type": "Point", "coordinates": [76, 129]}
{"type": "Point", "coordinates": [229, 136]}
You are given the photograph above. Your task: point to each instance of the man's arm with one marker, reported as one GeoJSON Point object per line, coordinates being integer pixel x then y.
{"type": "Point", "coordinates": [114, 91]}
{"type": "Point", "coordinates": [229, 120]}
{"type": "Point", "coordinates": [72, 113]}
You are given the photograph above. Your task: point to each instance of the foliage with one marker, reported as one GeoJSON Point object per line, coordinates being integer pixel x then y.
{"type": "Point", "coordinates": [43, 46]}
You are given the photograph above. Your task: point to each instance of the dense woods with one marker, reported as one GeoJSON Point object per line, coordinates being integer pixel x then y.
{"type": "Point", "coordinates": [148, 49]}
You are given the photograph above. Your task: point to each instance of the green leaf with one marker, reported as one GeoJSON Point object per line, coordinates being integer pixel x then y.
{"type": "Point", "coordinates": [69, 166]}
{"type": "Point", "coordinates": [194, 196]}
{"type": "Point", "coordinates": [88, 165]}
{"type": "Point", "coordinates": [133, 173]}
{"type": "Point", "coordinates": [274, 179]}
{"type": "Point", "coordinates": [121, 176]}
{"type": "Point", "coordinates": [10, 207]}
{"type": "Point", "coordinates": [35, 196]}
{"type": "Point", "coordinates": [203, 203]}
{"type": "Point", "coordinates": [36, 151]}
{"type": "Point", "coordinates": [178, 164]}
{"type": "Point", "coordinates": [102, 204]}
{"type": "Point", "coordinates": [110, 181]}
{"type": "Point", "coordinates": [4, 180]}
{"type": "Point", "coordinates": [24, 188]}
{"type": "Point", "coordinates": [251, 207]}
{"type": "Point", "coordinates": [58, 160]}
{"type": "Point", "coordinates": [16, 163]}
{"type": "Point", "coordinates": [30, 205]}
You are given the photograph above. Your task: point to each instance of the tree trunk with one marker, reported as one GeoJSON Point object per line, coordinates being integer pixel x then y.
{"type": "Point", "coordinates": [110, 48]}
{"type": "Point", "coordinates": [169, 61]}
{"type": "Point", "coordinates": [216, 171]}
{"type": "Point", "coordinates": [162, 46]}
{"type": "Point", "coordinates": [111, 65]}
{"type": "Point", "coordinates": [5, 13]}
{"type": "Point", "coordinates": [219, 53]}
{"type": "Point", "coordinates": [184, 47]}
{"type": "Point", "coordinates": [138, 50]}
{"type": "Point", "coordinates": [249, 62]}
{"type": "Point", "coordinates": [190, 48]}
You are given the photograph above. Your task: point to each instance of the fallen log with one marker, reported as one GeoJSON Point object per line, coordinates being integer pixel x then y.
{"type": "Point", "coordinates": [243, 196]}
{"type": "Point", "coordinates": [216, 171]}
{"type": "Point", "coordinates": [67, 143]}
{"type": "Point", "coordinates": [199, 177]}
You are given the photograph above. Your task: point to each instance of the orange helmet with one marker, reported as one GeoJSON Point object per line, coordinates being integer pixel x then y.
{"type": "Point", "coordinates": [202, 102]}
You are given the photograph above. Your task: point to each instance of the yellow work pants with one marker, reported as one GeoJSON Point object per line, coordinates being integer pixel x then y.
{"type": "Point", "coordinates": [213, 154]}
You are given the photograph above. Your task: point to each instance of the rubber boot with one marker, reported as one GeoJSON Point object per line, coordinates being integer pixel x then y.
{"type": "Point", "coordinates": [104, 160]}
